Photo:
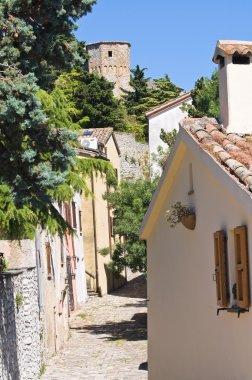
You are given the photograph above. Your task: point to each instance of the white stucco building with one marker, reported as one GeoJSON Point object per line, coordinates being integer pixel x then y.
{"type": "Point", "coordinates": [199, 281]}
{"type": "Point", "coordinates": [165, 116]}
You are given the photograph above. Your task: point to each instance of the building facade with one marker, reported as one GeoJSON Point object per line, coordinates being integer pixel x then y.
{"type": "Point", "coordinates": [97, 220]}
{"type": "Point", "coordinates": [199, 280]}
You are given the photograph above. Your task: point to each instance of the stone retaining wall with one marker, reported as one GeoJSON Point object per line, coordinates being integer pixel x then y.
{"type": "Point", "coordinates": [19, 325]}
{"type": "Point", "coordinates": [134, 160]}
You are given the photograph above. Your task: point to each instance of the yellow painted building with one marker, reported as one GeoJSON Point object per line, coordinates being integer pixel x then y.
{"type": "Point", "coordinates": [97, 217]}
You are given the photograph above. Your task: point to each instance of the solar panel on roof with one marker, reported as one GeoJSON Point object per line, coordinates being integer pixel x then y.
{"type": "Point", "coordinates": [87, 133]}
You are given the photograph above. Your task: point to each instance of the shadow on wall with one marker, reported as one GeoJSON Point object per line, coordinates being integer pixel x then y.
{"type": "Point", "coordinates": [113, 282]}
{"type": "Point", "coordinates": [9, 366]}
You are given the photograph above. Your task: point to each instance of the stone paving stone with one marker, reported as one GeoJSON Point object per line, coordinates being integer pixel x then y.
{"type": "Point", "coordinates": [109, 342]}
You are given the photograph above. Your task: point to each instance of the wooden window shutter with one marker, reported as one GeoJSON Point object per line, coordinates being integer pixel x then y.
{"type": "Point", "coordinates": [48, 259]}
{"type": "Point", "coordinates": [68, 215]}
{"type": "Point", "coordinates": [221, 268]}
{"type": "Point", "coordinates": [74, 215]}
{"type": "Point", "coordinates": [241, 266]}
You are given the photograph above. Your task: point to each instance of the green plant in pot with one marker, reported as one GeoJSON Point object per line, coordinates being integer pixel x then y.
{"type": "Point", "coordinates": [179, 213]}
{"type": "Point", "coordinates": [234, 292]}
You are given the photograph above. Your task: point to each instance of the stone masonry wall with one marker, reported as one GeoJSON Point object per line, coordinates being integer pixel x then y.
{"type": "Point", "coordinates": [112, 61]}
{"type": "Point", "coordinates": [134, 160]}
{"type": "Point", "coordinates": [19, 325]}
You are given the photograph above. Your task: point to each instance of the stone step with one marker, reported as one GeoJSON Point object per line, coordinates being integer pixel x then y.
{"type": "Point", "coordinates": [92, 293]}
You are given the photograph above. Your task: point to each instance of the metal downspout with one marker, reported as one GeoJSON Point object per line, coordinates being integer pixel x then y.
{"type": "Point", "coordinates": [95, 236]}
{"type": "Point", "coordinates": [37, 245]}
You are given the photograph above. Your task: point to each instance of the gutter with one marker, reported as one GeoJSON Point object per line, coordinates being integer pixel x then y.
{"type": "Point", "coordinates": [95, 237]}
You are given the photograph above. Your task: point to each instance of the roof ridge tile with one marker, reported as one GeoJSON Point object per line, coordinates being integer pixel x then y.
{"type": "Point", "coordinates": [232, 150]}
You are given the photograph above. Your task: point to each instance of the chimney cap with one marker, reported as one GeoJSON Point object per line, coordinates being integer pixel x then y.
{"type": "Point", "coordinates": [225, 48]}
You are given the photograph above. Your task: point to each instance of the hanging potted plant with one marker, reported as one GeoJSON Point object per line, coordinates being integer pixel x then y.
{"type": "Point", "coordinates": [179, 213]}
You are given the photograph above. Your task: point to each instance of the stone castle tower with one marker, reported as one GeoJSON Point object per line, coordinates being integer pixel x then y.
{"type": "Point", "coordinates": [112, 61]}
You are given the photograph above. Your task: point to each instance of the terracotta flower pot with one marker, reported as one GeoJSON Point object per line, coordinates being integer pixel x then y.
{"type": "Point", "coordinates": [189, 221]}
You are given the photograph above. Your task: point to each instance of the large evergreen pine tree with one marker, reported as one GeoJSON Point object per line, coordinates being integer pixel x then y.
{"type": "Point", "coordinates": [38, 35]}
{"type": "Point", "coordinates": [145, 95]}
{"type": "Point", "coordinates": [36, 42]}
{"type": "Point", "coordinates": [92, 100]}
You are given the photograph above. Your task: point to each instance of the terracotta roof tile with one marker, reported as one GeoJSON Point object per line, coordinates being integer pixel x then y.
{"type": "Point", "coordinates": [225, 48]}
{"type": "Point", "coordinates": [102, 134]}
{"type": "Point", "coordinates": [232, 151]}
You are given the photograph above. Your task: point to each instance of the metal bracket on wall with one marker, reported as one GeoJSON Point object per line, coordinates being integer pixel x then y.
{"type": "Point", "coordinates": [237, 310]}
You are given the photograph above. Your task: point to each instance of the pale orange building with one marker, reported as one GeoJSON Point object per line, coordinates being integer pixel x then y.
{"type": "Point", "coordinates": [97, 218]}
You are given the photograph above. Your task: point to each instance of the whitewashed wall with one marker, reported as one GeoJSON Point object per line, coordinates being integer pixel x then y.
{"type": "Point", "coordinates": [168, 120]}
{"type": "Point", "coordinates": [187, 340]}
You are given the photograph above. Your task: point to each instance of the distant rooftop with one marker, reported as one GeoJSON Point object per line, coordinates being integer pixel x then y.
{"type": "Point", "coordinates": [102, 134]}
{"type": "Point", "coordinates": [171, 103]}
{"type": "Point", "coordinates": [109, 43]}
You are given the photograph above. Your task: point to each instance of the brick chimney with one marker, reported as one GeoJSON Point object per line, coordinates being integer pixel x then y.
{"type": "Point", "coordinates": [235, 85]}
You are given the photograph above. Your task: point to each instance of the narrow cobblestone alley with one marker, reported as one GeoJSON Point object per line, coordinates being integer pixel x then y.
{"type": "Point", "coordinates": [108, 338]}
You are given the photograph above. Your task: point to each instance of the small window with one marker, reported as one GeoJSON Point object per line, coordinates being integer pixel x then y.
{"type": "Point", "coordinates": [74, 215]}
{"type": "Point", "coordinates": [80, 221]}
{"type": "Point", "coordinates": [221, 62]}
{"type": "Point", "coordinates": [191, 190]}
{"type": "Point", "coordinates": [240, 60]}
{"type": "Point", "coordinates": [62, 256]}
{"type": "Point", "coordinates": [110, 54]}
{"type": "Point", "coordinates": [48, 260]}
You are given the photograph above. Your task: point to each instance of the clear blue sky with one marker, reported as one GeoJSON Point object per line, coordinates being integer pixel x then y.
{"type": "Point", "coordinates": [169, 37]}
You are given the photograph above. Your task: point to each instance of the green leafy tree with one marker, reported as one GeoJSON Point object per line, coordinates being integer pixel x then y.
{"type": "Point", "coordinates": [92, 101]}
{"type": "Point", "coordinates": [148, 94]}
{"type": "Point", "coordinates": [38, 36]}
{"type": "Point", "coordinates": [36, 151]}
{"type": "Point", "coordinates": [139, 88]}
{"type": "Point", "coordinates": [129, 203]}
{"type": "Point", "coordinates": [57, 109]}
{"type": "Point", "coordinates": [168, 137]}
{"type": "Point", "coordinates": [160, 157]}
{"type": "Point", "coordinates": [205, 98]}
{"type": "Point", "coordinates": [32, 157]}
